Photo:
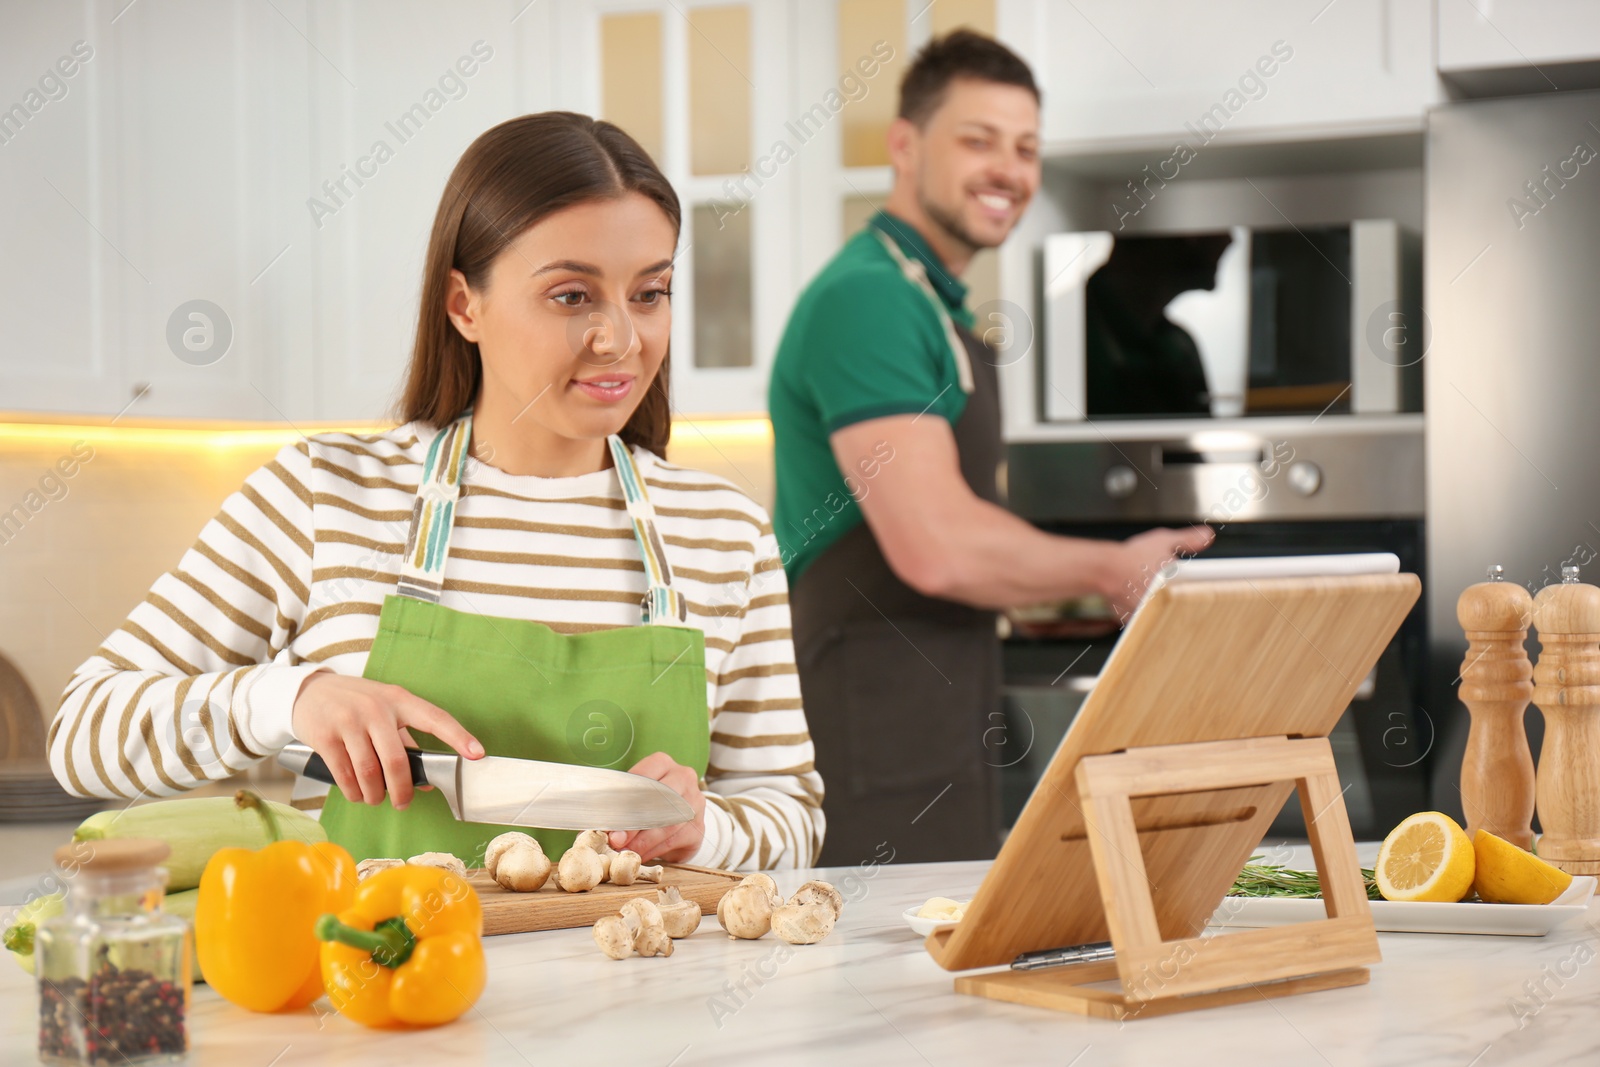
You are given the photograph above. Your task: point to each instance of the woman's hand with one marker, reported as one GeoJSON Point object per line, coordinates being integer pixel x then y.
{"type": "Point", "coordinates": [358, 727]}
{"type": "Point", "coordinates": [671, 844]}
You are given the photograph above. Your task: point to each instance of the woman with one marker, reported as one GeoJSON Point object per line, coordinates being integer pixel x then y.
{"type": "Point", "coordinates": [473, 579]}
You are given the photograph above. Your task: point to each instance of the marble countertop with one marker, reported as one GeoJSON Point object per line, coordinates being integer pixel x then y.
{"type": "Point", "coordinates": [869, 994]}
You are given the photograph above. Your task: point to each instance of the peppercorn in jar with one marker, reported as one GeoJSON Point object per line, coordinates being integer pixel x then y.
{"type": "Point", "coordinates": [114, 969]}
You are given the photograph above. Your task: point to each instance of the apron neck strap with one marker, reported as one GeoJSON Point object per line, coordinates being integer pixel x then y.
{"type": "Point", "coordinates": [433, 513]}
{"type": "Point", "coordinates": [918, 276]}
{"type": "Point", "coordinates": [663, 605]}
{"type": "Point", "coordinates": [433, 516]}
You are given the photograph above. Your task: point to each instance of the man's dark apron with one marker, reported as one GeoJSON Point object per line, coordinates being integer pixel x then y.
{"type": "Point", "coordinates": [900, 688]}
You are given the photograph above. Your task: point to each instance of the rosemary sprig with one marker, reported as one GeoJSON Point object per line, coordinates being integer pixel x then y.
{"type": "Point", "coordinates": [1272, 880]}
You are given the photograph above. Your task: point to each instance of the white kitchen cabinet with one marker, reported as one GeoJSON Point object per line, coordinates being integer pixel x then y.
{"type": "Point", "coordinates": [185, 159]}
{"type": "Point", "coordinates": [393, 107]}
{"type": "Point", "coordinates": [60, 270]}
{"type": "Point", "coordinates": [1479, 34]}
{"type": "Point", "coordinates": [1526, 45]}
{"type": "Point", "coordinates": [1120, 74]}
{"type": "Point", "coordinates": [149, 185]}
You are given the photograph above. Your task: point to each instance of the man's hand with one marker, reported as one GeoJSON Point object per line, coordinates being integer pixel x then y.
{"type": "Point", "coordinates": [669, 844]}
{"type": "Point", "coordinates": [1143, 556]}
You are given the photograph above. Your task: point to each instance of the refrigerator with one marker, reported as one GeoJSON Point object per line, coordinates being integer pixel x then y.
{"type": "Point", "coordinates": [1511, 372]}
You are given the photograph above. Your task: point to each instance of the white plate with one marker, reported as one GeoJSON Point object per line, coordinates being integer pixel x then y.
{"type": "Point", "coordinates": [924, 927]}
{"type": "Point", "coordinates": [1393, 916]}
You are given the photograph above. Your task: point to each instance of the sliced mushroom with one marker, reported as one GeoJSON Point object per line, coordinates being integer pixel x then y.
{"type": "Point", "coordinates": [369, 867]}
{"type": "Point", "coordinates": [803, 924]}
{"type": "Point", "coordinates": [439, 859]}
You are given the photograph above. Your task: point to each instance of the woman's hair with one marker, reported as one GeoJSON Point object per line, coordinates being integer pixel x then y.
{"type": "Point", "coordinates": [511, 177]}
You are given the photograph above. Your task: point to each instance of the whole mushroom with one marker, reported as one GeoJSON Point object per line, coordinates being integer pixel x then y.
{"type": "Point", "coordinates": [810, 914]}
{"type": "Point", "coordinates": [598, 842]}
{"type": "Point", "coordinates": [745, 911]}
{"type": "Point", "coordinates": [624, 867]}
{"type": "Point", "coordinates": [522, 868]}
{"type": "Point", "coordinates": [498, 846]}
{"type": "Point", "coordinates": [614, 936]}
{"type": "Point", "coordinates": [680, 917]}
{"type": "Point", "coordinates": [581, 869]}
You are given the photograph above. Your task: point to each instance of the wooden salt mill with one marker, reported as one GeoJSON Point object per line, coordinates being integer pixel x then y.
{"type": "Point", "coordinates": [1497, 781]}
{"type": "Point", "coordinates": [1566, 686]}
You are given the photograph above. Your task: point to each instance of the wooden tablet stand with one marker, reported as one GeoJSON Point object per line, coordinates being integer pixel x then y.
{"type": "Point", "coordinates": [1215, 704]}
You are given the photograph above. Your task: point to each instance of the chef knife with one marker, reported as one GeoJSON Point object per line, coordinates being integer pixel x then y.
{"type": "Point", "coordinates": [525, 792]}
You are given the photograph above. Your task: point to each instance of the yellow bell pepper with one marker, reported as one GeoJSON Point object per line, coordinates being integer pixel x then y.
{"type": "Point", "coordinates": [256, 913]}
{"type": "Point", "coordinates": [408, 952]}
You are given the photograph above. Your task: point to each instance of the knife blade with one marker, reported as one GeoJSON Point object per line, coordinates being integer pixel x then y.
{"type": "Point", "coordinates": [525, 792]}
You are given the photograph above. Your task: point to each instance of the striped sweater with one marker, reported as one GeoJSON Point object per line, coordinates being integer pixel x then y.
{"type": "Point", "coordinates": [289, 577]}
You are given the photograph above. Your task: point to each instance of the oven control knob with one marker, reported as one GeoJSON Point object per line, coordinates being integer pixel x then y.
{"type": "Point", "coordinates": [1305, 477]}
{"type": "Point", "coordinates": [1121, 482]}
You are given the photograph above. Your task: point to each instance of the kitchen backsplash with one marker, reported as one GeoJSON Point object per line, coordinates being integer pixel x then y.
{"type": "Point", "coordinates": [91, 515]}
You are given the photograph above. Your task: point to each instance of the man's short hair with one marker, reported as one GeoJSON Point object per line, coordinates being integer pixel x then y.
{"type": "Point", "coordinates": [958, 54]}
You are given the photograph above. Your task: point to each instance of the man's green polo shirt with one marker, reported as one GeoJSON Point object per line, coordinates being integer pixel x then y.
{"type": "Point", "coordinates": [863, 342]}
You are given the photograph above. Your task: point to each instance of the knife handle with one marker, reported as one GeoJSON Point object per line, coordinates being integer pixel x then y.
{"type": "Point", "coordinates": [303, 759]}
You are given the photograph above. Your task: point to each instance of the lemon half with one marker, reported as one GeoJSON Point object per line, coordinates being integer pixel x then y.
{"type": "Point", "coordinates": [1427, 857]}
{"type": "Point", "coordinates": [1508, 875]}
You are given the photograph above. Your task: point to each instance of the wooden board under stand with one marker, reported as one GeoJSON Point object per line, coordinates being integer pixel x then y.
{"type": "Point", "coordinates": [505, 912]}
{"type": "Point", "coordinates": [1215, 704]}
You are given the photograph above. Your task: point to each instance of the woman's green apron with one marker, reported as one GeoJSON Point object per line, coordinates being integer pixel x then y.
{"type": "Point", "coordinates": [605, 699]}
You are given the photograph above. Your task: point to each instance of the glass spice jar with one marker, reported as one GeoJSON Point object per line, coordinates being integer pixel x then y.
{"type": "Point", "coordinates": [114, 969]}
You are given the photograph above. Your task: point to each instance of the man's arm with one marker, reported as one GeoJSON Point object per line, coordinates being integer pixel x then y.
{"type": "Point", "coordinates": [943, 540]}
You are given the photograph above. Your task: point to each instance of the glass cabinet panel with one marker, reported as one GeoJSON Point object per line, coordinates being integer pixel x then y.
{"type": "Point", "coordinates": [630, 76]}
{"type": "Point", "coordinates": [722, 299]}
{"type": "Point", "coordinates": [862, 24]}
{"type": "Point", "coordinates": [719, 89]}
{"type": "Point", "coordinates": [954, 14]}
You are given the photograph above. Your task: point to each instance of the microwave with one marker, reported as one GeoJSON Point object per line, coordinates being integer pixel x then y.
{"type": "Point", "coordinates": [1233, 322]}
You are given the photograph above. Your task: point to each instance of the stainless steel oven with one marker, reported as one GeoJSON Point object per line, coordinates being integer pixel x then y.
{"type": "Point", "coordinates": [1267, 487]}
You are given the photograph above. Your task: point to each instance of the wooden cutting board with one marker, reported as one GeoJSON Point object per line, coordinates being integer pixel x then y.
{"type": "Point", "coordinates": [505, 912]}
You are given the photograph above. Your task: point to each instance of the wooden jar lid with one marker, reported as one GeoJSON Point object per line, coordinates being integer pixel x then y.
{"type": "Point", "coordinates": [117, 854]}
{"type": "Point", "coordinates": [1495, 606]}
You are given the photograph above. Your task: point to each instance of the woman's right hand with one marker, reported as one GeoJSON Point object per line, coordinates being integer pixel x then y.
{"type": "Point", "coordinates": [358, 727]}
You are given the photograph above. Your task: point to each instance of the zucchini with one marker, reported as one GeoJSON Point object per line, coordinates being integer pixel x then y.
{"type": "Point", "coordinates": [26, 919]}
{"type": "Point", "coordinates": [196, 828]}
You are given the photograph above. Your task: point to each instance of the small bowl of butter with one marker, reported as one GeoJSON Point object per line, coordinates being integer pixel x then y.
{"type": "Point", "coordinates": [936, 914]}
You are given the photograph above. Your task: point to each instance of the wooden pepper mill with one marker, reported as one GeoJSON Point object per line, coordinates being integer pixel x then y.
{"type": "Point", "coordinates": [1566, 684]}
{"type": "Point", "coordinates": [1497, 781]}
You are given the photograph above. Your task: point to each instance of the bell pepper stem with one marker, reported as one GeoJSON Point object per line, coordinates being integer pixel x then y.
{"type": "Point", "coordinates": [390, 942]}
{"type": "Point", "coordinates": [19, 938]}
{"type": "Point", "coordinates": [245, 799]}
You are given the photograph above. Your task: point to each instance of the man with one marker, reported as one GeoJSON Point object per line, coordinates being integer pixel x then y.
{"type": "Point", "coordinates": [886, 416]}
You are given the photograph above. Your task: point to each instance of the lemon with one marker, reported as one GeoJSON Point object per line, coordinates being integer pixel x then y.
{"type": "Point", "coordinates": [1427, 857]}
{"type": "Point", "coordinates": [1508, 875]}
